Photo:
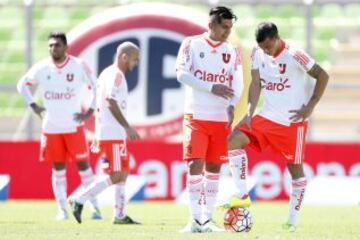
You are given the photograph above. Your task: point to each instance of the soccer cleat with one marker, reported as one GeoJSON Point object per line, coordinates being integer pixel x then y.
{"type": "Point", "coordinates": [289, 227]}
{"type": "Point", "coordinates": [210, 226]}
{"type": "Point", "coordinates": [235, 201]}
{"type": "Point", "coordinates": [76, 209]}
{"type": "Point", "coordinates": [194, 226]}
{"type": "Point", "coordinates": [62, 215]}
{"type": "Point", "coordinates": [96, 215]}
{"type": "Point", "coordinates": [124, 220]}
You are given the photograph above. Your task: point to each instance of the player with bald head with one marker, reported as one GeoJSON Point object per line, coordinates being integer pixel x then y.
{"type": "Point", "coordinates": [127, 55]}
{"type": "Point", "coordinates": [111, 131]}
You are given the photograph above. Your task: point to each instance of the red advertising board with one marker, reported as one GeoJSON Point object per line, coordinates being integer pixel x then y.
{"type": "Point", "coordinates": [161, 164]}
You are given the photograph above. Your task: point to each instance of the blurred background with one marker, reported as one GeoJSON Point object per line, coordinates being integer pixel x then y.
{"type": "Point", "coordinates": [327, 29]}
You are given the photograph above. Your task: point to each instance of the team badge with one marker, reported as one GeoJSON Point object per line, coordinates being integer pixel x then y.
{"type": "Point", "coordinates": [282, 68]}
{"type": "Point", "coordinates": [70, 77]}
{"type": "Point", "coordinates": [202, 55]}
{"type": "Point", "coordinates": [226, 57]}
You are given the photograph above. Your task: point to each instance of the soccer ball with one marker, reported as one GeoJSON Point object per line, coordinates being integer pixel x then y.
{"type": "Point", "coordinates": [238, 220]}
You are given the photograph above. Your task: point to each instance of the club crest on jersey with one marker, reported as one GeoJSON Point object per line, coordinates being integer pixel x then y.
{"type": "Point", "coordinates": [202, 55]}
{"type": "Point", "coordinates": [226, 57]}
{"type": "Point", "coordinates": [282, 68]}
{"type": "Point", "coordinates": [70, 77]}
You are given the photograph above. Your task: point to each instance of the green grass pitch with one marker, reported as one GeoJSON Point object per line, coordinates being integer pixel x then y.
{"type": "Point", "coordinates": [34, 220]}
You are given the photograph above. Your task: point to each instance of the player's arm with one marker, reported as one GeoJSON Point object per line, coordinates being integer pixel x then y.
{"type": "Point", "coordinates": [90, 81]}
{"type": "Point", "coordinates": [116, 112]}
{"type": "Point", "coordinates": [254, 91]}
{"type": "Point", "coordinates": [184, 63]}
{"type": "Point", "coordinates": [190, 80]}
{"type": "Point", "coordinates": [185, 77]}
{"type": "Point", "coordinates": [322, 78]}
{"type": "Point", "coordinates": [23, 87]}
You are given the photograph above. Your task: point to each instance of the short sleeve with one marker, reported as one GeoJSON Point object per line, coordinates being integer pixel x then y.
{"type": "Point", "coordinates": [113, 89]}
{"type": "Point", "coordinates": [32, 76]}
{"type": "Point", "coordinates": [255, 58]}
{"type": "Point", "coordinates": [238, 58]}
{"type": "Point", "coordinates": [303, 60]}
{"type": "Point", "coordinates": [88, 76]}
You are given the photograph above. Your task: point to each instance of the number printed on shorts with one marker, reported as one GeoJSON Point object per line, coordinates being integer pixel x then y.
{"type": "Point", "coordinates": [123, 152]}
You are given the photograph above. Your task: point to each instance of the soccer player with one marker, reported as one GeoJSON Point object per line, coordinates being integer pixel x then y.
{"type": "Point", "coordinates": [111, 129]}
{"type": "Point", "coordinates": [62, 79]}
{"type": "Point", "coordinates": [280, 71]}
{"type": "Point", "coordinates": [210, 68]}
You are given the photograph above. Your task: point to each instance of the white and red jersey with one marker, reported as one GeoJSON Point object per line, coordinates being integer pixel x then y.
{"type": "Point", "coordinates": [62, 89]}
{"type": "Point", "coordinates": [111, 85]}
{"type": "Point", "coordinates": [283, 81]}
{"type": "Point", "coordinates": [211, 63]}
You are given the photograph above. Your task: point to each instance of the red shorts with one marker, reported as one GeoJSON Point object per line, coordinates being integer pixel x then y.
{"type": "Point", "coordinates": [288, 141]}
{"type": "Point", "coordinates": [114, 155]}
{"type": "Point", "coordinates": [62, 147]}
{"type": "Point", "coordinates": [205, 140]}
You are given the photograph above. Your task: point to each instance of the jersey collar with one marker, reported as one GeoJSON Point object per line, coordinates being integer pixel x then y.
{"type": "Point", "coordinates": [281, 48]}
{"type": "Point", "coordinates": [212, 43]}
{"type": "Point", "coordinates": [63, 64]}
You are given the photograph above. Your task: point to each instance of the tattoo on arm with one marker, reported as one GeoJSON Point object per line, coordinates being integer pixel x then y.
{"type": "Point", "coordinates": [315, 71]}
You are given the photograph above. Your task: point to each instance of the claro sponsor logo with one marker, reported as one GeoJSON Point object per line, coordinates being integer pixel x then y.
{"type": "Point", "coordinates": [221, 77]}
{"type": "Point", "coordinates": [273, 86]}
{"type": "Point", "coordinates": [52, 95]}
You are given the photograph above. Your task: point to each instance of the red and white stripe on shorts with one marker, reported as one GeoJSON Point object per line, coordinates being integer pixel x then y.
{"type": "Point", "coordinates": [299, 152]}
{"type": "Point", "coordinates": [118, 153]}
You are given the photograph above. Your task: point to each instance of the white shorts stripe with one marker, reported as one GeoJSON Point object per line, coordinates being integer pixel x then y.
{"type": "Point", "coordinates": [299, 145]}
{"type": "Point", "coordinates": [119, 158]}
{"type": "Point", "coordinates": [116, 157]}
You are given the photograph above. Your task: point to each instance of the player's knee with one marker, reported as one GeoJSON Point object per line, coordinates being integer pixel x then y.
{"type": "Point", "coordinates": [237, 140]}
{"type": "Point", "coordinates": [213, 167]}
{"type": "Point", "coordinates": [58, 166]}
{"type": "Point", "coordinates": [195, 166]}
{"type": "Point", "coordinates": [82, 165]}
{"type": "Point", "coordinates": [296, 171]}
{"type": "Point", "coordinates": [117, 177]}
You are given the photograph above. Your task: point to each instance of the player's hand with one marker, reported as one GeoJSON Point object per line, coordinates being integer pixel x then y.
{"type": "Point", "coordinates": [230, 112]}
{"type": "Point", "coordinates": [301, 114]}
{"type": "Point", "coordinates": [94, 147]}
{"type": "Point", "coordinates": [222, 91]}
{"type": "Point", "coordinates": [132, 133]}
{"type": "Point", "coordinates": [81, 117]}
{"type": "Point", "coordinates": [38, 110]}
